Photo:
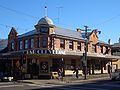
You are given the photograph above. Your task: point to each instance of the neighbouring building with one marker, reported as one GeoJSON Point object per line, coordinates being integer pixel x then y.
{"type": "Point", "coordinates": [47, 48]}
{"type": "Point", "coordinates": [116, 52]}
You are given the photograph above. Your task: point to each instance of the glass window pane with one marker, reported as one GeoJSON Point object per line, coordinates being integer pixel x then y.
{"type": "Point", "coordinates": [44, 43]}
{"type": "Point", "coordinates": [20, 45]}
{"type": "Point", "coordinates": [31, 43]}
{"type": "Point", "coordinates": [62, 43]}
{"type": "Point", "coordinates": [12, 45]}
{"type": "Point", "coordinates": [26, 44]}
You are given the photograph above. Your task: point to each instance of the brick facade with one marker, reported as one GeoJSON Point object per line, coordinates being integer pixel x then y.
{"type": "Point", "coordinates": [49, 50]}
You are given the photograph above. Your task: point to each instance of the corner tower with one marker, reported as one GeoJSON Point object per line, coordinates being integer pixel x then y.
{"type": "Point", "coordinates": [45, 25]}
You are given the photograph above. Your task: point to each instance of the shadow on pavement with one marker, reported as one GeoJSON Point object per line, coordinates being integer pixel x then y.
{"type": "Point", "coordinates": [94, 85]}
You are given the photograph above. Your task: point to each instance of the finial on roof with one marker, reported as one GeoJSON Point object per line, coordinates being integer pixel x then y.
{"type": "Point", "coordinates": [45, 11]}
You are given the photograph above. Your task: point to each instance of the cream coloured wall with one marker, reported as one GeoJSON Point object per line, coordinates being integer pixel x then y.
{"type": "Point", "coordinates": [117, 63]}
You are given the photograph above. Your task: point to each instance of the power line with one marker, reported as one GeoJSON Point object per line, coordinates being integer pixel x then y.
{"type": "Point", "coordinates": [18, 12]}
{"type": "Point", "coordinates": [17, 28]}
{"type": "Point", "coordinates": [22, 13]}
{"type": "Point", "coordinates": [108, 20]}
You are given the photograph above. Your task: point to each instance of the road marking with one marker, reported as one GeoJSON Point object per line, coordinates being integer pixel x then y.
{"type": "Point", "coordinates": [10, 86]}
{"type": "Point", "coordinates": [74, 88]}
{"type": "Point", "coordinates": [45, 85]}
{"type": "Point", "coordinates": [111, 85]}
{"type": "Point", "coordinates": [1, 83]}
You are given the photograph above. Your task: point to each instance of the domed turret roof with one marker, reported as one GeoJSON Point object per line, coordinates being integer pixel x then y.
{"type": "Point", "coordinates": [45, 20]}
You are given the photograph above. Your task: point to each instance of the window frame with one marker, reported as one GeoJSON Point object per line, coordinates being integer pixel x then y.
{"type": "Point", "coordinates": [101, 47]}
{"type": "Point", "coordinates": [44, 40]}
{"type": "Point", "coordinates": [94, 48]}
{"type": "Point", "coordinates": [79, 45]}
{"type": "Point", "coordinates": [62, 43]}
{"type": "Point", "coordinates": [70, 44]}
{"type": "Point", "coordinates": [38, 42]}
{"type": "Point", "coordinates": [32, 43]}
{"type": "Point", "coordinates": [20, 45]}
{"type": "Point", "coordinates": [12, 45]}
{"type": "Point", "coordinates": [44, 30]}
{"type": "Point", "coordinates": [26, 44]}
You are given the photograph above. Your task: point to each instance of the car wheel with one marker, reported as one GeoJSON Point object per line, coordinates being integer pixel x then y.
{"type": "Point", "coordinates": [113, 78]}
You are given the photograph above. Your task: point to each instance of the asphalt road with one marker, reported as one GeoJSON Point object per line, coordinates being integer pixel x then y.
{"type": "Point", "coordinates": [94, 85]}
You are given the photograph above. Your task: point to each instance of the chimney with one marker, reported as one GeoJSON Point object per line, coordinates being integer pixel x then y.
{"type": "Point", "coordinates": [78, 30]}
{"type": "Point", "coordinates": [119, 40]}
{"type": "Point", "coordinates": [109, 40]}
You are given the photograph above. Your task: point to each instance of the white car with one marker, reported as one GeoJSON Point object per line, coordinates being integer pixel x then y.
{"type": "Point", "coordinates": [115, 75]}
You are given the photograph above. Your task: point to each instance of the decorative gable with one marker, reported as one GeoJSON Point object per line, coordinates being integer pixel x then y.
{"type": "Point", "coordinates": [13, 32]}
{"type": "Point", "coordinates": [94, 36]}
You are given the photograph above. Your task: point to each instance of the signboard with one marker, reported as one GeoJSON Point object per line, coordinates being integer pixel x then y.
{"type": "Point", "coordinates": [44, 67]}
{"type": "Point", "coordinates": [38, 51]}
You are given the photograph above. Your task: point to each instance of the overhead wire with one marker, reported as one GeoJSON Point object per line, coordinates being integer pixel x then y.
{"type": "Point", "coordinates": [17, 28]}
{"type": "Point", "coordinates": [31, 16]}
{"type": "Point", "coordinates": [108, 20]}
{"type": "Point", "coordinates": [19, 12]}
{"type": "Point", "coordinates": [13, 10]}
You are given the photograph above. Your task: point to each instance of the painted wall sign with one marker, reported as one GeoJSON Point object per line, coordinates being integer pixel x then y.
{"type": "Point", "coordinates": [37, 51]}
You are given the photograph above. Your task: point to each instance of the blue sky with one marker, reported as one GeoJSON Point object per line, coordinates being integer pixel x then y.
{"type": "Point", "coordinates": [103, 15]}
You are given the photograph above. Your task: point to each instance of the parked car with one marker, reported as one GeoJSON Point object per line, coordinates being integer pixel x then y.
{"type": "Point", "coordinates": [115, 75]}
{"type": "Point", "coordinates": [5, 77]}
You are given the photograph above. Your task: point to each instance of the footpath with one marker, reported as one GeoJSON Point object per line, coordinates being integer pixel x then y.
{"type": "Point", "coordinates": [68, 79]}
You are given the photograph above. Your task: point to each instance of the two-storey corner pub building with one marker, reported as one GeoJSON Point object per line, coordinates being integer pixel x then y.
{"type": "Point", "coordinates": [48, 48]}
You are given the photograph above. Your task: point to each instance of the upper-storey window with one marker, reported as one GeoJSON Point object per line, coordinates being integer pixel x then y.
{"type": "Point", "coordinates": [32, 43]}
{"type": "Point", "coordinates": [70, 44]}
{"type": "Point", "coordinates": [79, 46]}
{"type": "Point", "coordinates": [26, 44]}
{"type": "Point", "coordinates": [44, 42]}
{"type": "Point", "coordinates": [38, 42]}
{"type": "Point", "coordinates": [62, 43]}
{"type": "Point", "coordinates": [94, 48]}
{"type": "Point", "coordinates": [44, 30]}
{"type": "Point", "coordinates": [13, 46]}
{"type": "Point", "coordinates": [101, 47]}
{"type": "Point", "coordinates": [20, 44]}
{"type": "Point", "coordinates": [107, 50]}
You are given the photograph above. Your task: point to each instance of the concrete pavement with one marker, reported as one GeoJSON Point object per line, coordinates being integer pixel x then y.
{"type": "Point", "coordinates": [68, 79]}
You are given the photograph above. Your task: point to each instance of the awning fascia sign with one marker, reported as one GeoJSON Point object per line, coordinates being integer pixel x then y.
{"type": "Point", "coordinates": [39, 51]}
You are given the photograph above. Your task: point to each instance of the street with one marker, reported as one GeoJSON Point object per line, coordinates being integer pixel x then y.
{"type": "Point", "coordinates": [91, 85]}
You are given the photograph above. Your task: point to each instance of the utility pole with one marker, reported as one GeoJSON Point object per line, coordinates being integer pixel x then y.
{"type": "Point", "coordinates": [86, 47]}
{"type": "Point", "coordinates": [85, 53]}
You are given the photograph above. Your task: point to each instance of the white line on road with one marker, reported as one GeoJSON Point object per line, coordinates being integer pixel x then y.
{"type": "Point", "coordinates": [111, 85]}
{"type": "Point", "coordinates": [10, 86]}
{"type": "Point", "coordinates": [45, 85]}
{"type": "Point", "coordinates": [79, 88]}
